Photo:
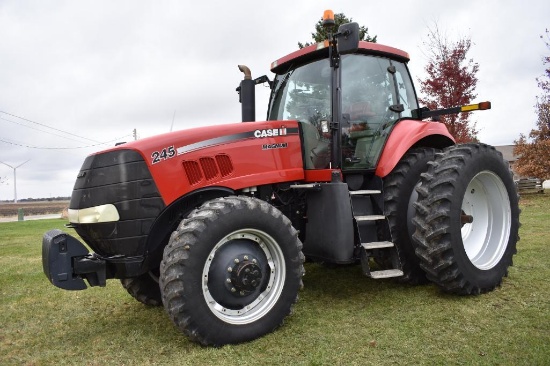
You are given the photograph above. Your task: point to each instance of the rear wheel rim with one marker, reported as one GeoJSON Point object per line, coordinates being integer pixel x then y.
{"type": "Point", "coordinates": [261, 304]}
{"type": "Point", "coordinates": [485, 239]}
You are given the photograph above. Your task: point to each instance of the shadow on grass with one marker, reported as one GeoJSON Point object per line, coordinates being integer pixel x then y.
{"type": "Point", "coordinates": [342, 285]}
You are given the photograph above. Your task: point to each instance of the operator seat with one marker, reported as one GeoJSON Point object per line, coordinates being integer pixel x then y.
{"type": "Point", "coordinates": [360, 131]}
{"type": "Point", "coordinates": [359, 114]}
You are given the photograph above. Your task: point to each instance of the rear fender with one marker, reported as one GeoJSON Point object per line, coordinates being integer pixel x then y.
{"type": "Point", "coordinates": [408, 133]}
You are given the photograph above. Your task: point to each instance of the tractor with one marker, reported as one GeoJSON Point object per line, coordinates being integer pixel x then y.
{"type": "Point", "coordinates": [215, 223]}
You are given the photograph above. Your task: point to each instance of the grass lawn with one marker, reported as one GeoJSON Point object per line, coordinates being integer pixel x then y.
{"type": "Point", "coordinates": [342, 317]}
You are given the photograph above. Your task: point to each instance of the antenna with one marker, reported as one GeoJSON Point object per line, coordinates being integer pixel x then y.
{"type": "Point", "coordinates": [173, 117]}
{"type": "Point", "coordinates": [15, 179]}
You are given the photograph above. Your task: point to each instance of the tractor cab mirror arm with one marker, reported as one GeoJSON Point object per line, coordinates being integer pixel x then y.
{"type": "Point", "coordinates": [259, 80]}
{"type": "Point", "coordinates": [264, 79]}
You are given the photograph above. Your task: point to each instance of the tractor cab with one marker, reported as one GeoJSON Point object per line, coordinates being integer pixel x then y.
{"type": "Point", "coordinates": [356, 98]}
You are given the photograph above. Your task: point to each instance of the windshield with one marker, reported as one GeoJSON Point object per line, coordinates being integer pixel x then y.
{"type": "Point", "coordinates": [376, 93]}
{"type": "Point", "coordinates": [302, 94]}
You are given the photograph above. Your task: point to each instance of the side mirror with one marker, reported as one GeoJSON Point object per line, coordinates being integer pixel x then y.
{"type": "Point", "coordinates": [348, 38]}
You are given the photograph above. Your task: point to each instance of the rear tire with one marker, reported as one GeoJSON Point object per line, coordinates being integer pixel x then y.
{"type": "Point", "coordinates": [469, 182]}
{"type": "Point", "coordinates": [399, 195]}
{"type": "Point", "coordinates": [144, 288]}
{"type": "Point", "coordinates": [231, 271]}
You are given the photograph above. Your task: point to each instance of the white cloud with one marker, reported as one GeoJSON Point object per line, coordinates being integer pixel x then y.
{"type": "Point", "coordinates": [99, 69]}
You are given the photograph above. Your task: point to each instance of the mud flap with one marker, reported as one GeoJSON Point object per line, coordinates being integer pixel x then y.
{"type": "Point", "coordinates": [329, 230]}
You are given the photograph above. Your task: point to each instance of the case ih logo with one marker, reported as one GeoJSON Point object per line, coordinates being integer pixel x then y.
{"type": "Point", "coordinates": [272, 132]}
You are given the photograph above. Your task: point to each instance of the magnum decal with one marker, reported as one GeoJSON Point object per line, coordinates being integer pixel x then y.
{"type": "Point", "coordinates": [281, 145]}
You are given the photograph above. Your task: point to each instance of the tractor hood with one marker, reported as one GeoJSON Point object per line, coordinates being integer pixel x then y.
{"type": "Point", "coordinates": [235, 156]}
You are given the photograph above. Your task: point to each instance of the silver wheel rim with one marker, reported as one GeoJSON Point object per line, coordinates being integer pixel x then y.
{"type": "Point", "coordinates": [485, 239]}
{"type": "Point", "coordinates": [265, 301]}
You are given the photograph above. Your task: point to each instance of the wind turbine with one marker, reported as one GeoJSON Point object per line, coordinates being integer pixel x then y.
{"type": "Point", "coordinates": [15, 179]}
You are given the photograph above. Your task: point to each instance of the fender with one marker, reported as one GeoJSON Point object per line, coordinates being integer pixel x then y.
{"type": "Point", "coordinates": [171, 216]}
{"type": "Point", "coordinates": [408, 133]}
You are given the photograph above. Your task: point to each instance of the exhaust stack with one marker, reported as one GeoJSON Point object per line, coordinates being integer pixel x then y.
{"type": "Point", "coordinates": [247, 95]}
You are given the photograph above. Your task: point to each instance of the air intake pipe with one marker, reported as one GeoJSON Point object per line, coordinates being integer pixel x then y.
{"type": "Point", "coordinates": [247, 95]}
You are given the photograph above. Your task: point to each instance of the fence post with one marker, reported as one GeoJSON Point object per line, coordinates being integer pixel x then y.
{"type": "Point", "coordinates": [20, 215]}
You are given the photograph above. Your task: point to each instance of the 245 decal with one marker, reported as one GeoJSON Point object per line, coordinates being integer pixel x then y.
{"type": "Point", "coordinates": [164, 154]}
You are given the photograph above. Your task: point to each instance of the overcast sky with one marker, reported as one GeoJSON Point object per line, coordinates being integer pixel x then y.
{"type": "Point", "coordinates": [95, 70]}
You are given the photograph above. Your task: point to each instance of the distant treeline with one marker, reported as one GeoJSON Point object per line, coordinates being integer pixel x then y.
{"type": "Point", "coordinates": [41, 199]}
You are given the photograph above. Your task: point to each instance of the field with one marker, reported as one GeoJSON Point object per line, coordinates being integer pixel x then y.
{"type": "Point", "coordinates": [342, 317]}
{"type": "Point", "coordinates": [33, 208]}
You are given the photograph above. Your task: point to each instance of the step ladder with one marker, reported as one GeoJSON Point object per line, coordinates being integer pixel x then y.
{"type": "Point", "coordinates": [363, 215]}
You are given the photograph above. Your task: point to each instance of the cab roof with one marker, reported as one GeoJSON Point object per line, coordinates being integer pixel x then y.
{"type": "Point", "coordinates": [320, 50]}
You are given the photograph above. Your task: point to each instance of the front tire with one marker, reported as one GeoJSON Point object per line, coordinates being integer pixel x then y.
{"type": "Point", "coordinates": [467, 219]}
{"type": "Point", "coordinates": [144, 288]}
{"type": "Point", "coordinates": [231, 271]}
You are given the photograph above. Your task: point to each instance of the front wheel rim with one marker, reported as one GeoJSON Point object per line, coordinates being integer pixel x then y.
{"type": "Point", "coordinates": [265, 300]}
{"type": "Point", "coordinates": [487, 204]}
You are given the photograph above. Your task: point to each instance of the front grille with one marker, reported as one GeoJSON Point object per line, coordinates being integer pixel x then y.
{"type": "Point", "coordinates": [121, 178]}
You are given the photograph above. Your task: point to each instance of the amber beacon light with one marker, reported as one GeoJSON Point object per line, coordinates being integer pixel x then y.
{"type": "Point", "coordinates": [328, 18]}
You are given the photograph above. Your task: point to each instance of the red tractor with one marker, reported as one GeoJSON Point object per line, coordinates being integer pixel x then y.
{"type": "Point", "coordinates": [215, 223]}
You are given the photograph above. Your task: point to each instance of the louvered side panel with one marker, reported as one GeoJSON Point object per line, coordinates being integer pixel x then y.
{"type": "Point", "coordinates": [193, 171]}
{"type": "Point", "coordinates": [225, 165]}
{"type": "Point", "coordinates": [209, 168]}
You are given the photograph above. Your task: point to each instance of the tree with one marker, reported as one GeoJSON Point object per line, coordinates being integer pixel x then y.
{"type": "Point", "coordinates": [321, 34]}
{"type": "Point", "coordinates": [534, 152]}
{"type": "Point", "coordinates": [451, 81]}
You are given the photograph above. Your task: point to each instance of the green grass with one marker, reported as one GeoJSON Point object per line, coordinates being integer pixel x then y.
{"type": "Point", "coordinates": [342, 317]}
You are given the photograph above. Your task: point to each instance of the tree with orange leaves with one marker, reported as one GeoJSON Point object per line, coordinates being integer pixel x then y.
{"type": "Point", "coordinates": [451, 82]}
{"type": "Point", "coordinates": [534, 152]}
